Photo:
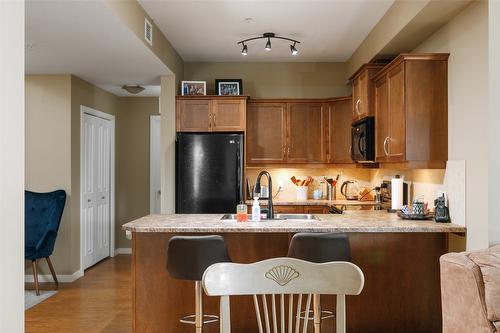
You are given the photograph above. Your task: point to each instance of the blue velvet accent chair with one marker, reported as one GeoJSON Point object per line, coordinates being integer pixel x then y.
{"type": "Point", "coordinates": [42, 216]}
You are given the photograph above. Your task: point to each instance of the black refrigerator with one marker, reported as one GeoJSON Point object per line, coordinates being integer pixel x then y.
{"type": "Point", "coordinates": [209, 172]}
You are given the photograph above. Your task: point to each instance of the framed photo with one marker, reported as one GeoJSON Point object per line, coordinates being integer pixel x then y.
{"type": "Point", "coordinates": [193, 88]}
{"type": "Point", "coordinates": [228, 87]}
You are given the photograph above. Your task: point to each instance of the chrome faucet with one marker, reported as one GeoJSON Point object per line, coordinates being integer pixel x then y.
{"type": "Point", "coordinates": [270, 211]}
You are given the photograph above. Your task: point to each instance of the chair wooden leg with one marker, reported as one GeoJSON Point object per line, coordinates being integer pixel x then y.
{"type": "Point", "coordinates": [52, 271]}
{"type": "Point", "coordinates": [35, 277]}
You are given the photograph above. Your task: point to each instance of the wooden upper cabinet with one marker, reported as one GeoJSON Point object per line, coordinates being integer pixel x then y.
{"type": "Point", "coordinates": [228, 115]}
{"type": "Point", "coordinates": [411, 110]}
{"type": "Point", "coordinates": [339, 138]}
{"type": "Point", "coordinates": [306, 139]}
{"type": "Point", "coordinates": [381, 119]}
{"type": "Point", "coordinates": [396, 143]}
{"type": "Point", "coordinates": [266, 134]}
{"type": "Point", "coordinates": [193, 115]}
{"type": "Point", "coordinates": [211, 113]}
{"type": "Point", "coordinates": [363, 90]}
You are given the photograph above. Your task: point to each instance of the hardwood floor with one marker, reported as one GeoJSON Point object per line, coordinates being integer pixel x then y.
{"type": "Point", "coordinates": [100, 302]}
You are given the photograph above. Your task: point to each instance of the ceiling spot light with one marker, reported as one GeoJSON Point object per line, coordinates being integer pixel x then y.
{"type": "Point", "coordinates": [269, 36]}
{"type": "Point", "coordinates": [268, 44]}
{"type": "Point", "coordinates": [133, 88]}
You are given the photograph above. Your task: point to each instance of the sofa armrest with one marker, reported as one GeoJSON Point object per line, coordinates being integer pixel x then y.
{"type": "Point", "coordinates": [462, 295]}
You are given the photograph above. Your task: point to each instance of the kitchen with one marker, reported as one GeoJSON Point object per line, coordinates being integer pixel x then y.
{"type": "Point", "coordinates": [257, 171]}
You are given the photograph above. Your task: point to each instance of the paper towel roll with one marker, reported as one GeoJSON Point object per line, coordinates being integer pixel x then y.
{"type": "Point", "coordinates": [397, 192]}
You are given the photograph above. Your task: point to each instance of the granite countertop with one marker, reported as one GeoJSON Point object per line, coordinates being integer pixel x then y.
{"type": "Point", "coordinates": [312, 202]}
{"type": "Point", "coordinates": [350, 221]}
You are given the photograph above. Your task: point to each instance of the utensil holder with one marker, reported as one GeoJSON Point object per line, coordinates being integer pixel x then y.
{"type": "Point", "coordinates": [331, 192]}
{"type": "Point", "coordinates": [302, 193]}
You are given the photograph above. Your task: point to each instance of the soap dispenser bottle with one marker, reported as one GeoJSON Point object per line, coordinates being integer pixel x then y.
{"type": "Point", "coordinates": [255, 209]}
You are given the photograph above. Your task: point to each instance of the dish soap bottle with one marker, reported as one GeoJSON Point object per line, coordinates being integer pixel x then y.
{"type": "Point", "coordinates": [255, 209]}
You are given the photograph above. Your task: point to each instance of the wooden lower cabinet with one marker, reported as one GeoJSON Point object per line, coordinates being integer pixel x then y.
{"type": "Point", "coordinates": [296, 209]}
{"type": "Point", "coordinates": [285, 209]}
{"type": "Point", "coordinates": [401, 291]}
{"type": "Point", "coordinates": [316, 209]}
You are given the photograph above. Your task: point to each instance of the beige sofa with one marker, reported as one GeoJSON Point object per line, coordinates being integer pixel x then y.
{"type": "Point", "coordinates": [470, 291]}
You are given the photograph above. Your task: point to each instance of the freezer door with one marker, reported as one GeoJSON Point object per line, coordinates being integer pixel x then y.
{"type": "Point", "coordinates": [209, 172]}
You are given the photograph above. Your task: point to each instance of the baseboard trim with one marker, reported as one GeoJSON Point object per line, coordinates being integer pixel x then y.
{"type": "Point", "coordinates": [64, 278]}
{"type": "Point", "coordinates": [123, 250]}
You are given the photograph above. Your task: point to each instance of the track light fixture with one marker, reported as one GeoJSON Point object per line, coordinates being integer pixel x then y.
{"type": "Point", "coordinates": [268, 36]}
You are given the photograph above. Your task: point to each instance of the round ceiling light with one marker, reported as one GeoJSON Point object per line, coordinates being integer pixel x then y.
{"type": "Point", "coordinates": [133, 88]}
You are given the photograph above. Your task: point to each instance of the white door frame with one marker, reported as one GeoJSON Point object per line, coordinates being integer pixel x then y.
{"type": "Point", "coordinates": [153, 158]}
{"type": "Point", "coordinates": [86, 110]}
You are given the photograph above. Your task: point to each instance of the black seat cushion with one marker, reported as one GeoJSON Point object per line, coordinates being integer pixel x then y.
{"type": "Point", "coordinates": [320, 247]}
{"type": "Point", "coordinates": [189, 256]}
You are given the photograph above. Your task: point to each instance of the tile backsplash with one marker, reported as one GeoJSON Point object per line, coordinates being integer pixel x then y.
{"type": "Point", "coordinates": [423, 183]}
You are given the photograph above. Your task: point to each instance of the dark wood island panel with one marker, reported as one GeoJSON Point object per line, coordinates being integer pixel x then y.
{"type": "Point", "coordinates": [401, 293]}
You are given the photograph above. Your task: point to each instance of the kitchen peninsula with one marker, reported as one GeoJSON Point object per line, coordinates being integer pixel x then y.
{"type": "Point", "coordinates": [400, 261]}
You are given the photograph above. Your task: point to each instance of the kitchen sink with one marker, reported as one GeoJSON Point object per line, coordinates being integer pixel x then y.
{"type": "Point", "coordinates": [277, 217]}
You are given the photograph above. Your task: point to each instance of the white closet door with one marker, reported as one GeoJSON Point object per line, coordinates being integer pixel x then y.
{"type": "Point", "coordinates": [88, 190]}
{"type": "Point", "coordinates": [103, 150]}
{"type": "Point", "coordinates": [96, 171]}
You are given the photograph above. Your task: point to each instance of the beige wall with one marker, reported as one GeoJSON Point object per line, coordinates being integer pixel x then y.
{"type": "Point", "coordinates": [275, 79]}
{"type": "Point", "coordinates": [48, 149]}
{"type": "Point", "coordinates": [132, 161]}
{"type": "Point", "coordinates": [394, 20]}
{"type": "Point", "coordinates": [83, 93]}
{"type": "Point", "coordinates": [132, 14]}
{"type": "Point", "coordinates": [167, 147]}
{"type": "Point", "coordinates": [494, 123]}
{"type": "Point", "coordinates": [53, 154]}
{"type": "Point", "coordinates": [466, 39]}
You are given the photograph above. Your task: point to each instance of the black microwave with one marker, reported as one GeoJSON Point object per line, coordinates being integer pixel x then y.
{"type": "Point", "coordinates": [363, 140]}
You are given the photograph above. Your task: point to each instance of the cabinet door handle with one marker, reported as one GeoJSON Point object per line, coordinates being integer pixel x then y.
{"type": "Point", "coordinates": [288, 152]}
{"type": "Point", "coordinates": [386, 141]}
{"type": "Point", "coordinates": [357, 106]}
{"type": "Point", "coordinates": [214, 119]}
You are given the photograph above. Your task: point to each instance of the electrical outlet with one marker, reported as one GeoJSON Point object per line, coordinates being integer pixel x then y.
{"type": "Point", "coordinates": [281, 183]}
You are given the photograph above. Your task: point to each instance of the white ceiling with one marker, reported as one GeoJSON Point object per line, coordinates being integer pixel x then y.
{"type": "Point", "coordinates": [87, 39]}
{"type": "Point", "coordinates": [330, 30]}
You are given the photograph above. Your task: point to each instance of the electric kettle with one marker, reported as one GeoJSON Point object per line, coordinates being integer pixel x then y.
{"type": "Point", "coordinates": [350, 190]}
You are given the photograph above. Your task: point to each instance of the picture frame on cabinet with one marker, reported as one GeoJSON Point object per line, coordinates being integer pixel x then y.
{"type": "Point", "coordinates": [228, 87]}
{"type": "Point", "coordinates": [189, 88]}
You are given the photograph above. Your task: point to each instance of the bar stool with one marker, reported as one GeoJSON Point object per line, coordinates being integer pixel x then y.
{"type": "Point", "coordinates": [187, 259]}
{"type": "Point", "coordinates": [320, 248]}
